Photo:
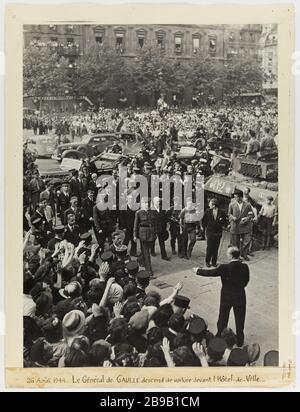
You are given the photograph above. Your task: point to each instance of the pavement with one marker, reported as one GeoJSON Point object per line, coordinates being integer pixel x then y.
{"type": "Point", "coordinates": [261, 324]}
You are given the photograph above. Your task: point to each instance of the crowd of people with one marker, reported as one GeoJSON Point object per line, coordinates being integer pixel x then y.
{"type": "Point", "coordinates": [87, 271]}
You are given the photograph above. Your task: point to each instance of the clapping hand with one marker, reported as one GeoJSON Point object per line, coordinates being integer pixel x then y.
{"type": "Point", "coordinates": [107, 364]}
{"type": "Point", "coordinates": [118, 306]}
{"type": "Point", "coordinates": [198, 349]}
{"type": "Point", "coordinates": [165, 347]}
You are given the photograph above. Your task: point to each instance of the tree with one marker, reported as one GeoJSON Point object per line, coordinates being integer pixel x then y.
{"type": "Point", "coordinates": [102, 72]}
{"type": "Point", "coordinates": [45, 73]}
{"type": "Point", "coordinates": [242, 75]}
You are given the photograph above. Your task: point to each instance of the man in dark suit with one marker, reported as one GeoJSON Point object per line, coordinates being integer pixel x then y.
{"type": "Point", "coordinates": [234, 277]}
{"type": "Point", "coordinates": [87, 205]}
{"type": "Point", "coordinates": [77, 211]}
{"type": "Point", "coordinates": [63, 200]}
{"type": "Point", "coordinates": [126, 222]}
{"type": "Point", "coordinates": [48, 194]}
{"type": "Point", "coordinates": [212, 222]}
{"type": "Point", "coordinates": [161, 225]}
{"type": "Point", "coordinates": [76, 186]}
{"type": "Point", "coordinates": [72, 232]}
{"type": "Point", "coordinates": [240, 223]}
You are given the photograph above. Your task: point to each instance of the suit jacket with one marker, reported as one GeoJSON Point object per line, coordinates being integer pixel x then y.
{"type": "Point", "coordinates": [63, 203]}
{"type": "Point", "coordinates": [237, 227]}
{"type": "Point", "coordinates": [213, 226]}
{"type": "Point", "coordinates": [234, 277]}
{"type": "Point", "coordinates": [104, 220]}
{"type": "Point", "coordinates": [75, 187]}
{"type": "Point", "coordinates": [72, 236]}
{"type": "Point", "coordinates": [161, 220]}
{"type": "Point", "coordinates": [87, 208]}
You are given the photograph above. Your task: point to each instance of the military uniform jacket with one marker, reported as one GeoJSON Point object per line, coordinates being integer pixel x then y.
{"type": "Point", "coordinates": [145, 225]}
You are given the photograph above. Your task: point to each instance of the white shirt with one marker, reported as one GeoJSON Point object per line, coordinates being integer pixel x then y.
{"type": "Point", "coordinates": [29, 307]}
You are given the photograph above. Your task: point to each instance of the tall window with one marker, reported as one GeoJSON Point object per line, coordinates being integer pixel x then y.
{"type": "Point", "coordinates": [178, 44]}
{"type": "Point", "coordinates": [196, 44]}
{"type": "Point", "coordinates": [120, 42]}
{"type": "Point", "coordinates": [231, 36]}
{"type": "Point", "coordinates": [252, 37]}
{"type": "Point", "coordinates": [70, 28]}
{"type": "Point", "coordinates": [161, 39]}
{"type": "Point", "coordinates": [99, 39]}
{"type": "Point", "coordinates": [53, 27]}
{"type": "Point", "coordinates": [212, 46]}
{"type": "Point", "coordinates": [141, 39]}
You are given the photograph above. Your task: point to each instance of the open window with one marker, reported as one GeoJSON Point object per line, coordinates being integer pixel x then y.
{"type": "Point", "coordinates": [212, 46]}
{"type": "Point", "coordinates": [196, 43]}
{"type": "Point", "coordinates": [161, 39]}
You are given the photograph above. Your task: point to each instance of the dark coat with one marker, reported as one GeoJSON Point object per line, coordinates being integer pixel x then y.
{"type": "Point", "coordinates": [72, 236]}
{"type": "Point", "coordinates": [234, 277]}
{"type": "Point", "coordinates": [213, 226]}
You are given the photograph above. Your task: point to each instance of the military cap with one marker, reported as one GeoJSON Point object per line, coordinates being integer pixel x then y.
{"type": "Point", "coordinates": [143, 275]}
{"type": "Point", "coordinates": [59, 228]}
{"type": "Point", "coordinates": [74, 198]}
{"type": "Point", "coordinates": [86, 236]}
{"type": "Point", "coordinates": [216, 348]}
{"type": "Point", "coordinates": [197, 326]}
{"type": "Point", "coordinates": [182, 301]}
{"type": "Point", "coordinates": [271, 358]}
{"type": "Point", "coordinates": [107, 256]}
{"type": "Point", "coordinates": [237, 357]}
{"type": "Point", "coordinates": [132, 267]}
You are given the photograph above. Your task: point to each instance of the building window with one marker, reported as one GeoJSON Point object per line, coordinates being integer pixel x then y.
{"type": "Point", "coordinates": [161, 40]}
{"type": "Point", "coordinates": [53, 27]}
{"type": "Point", "coordinates": [99, 39]}
{"type": "Point", "coordinates": [252, 37]}
{"type": "Point", "coordinates": [196, 44]}
{"type": "Point", "coordinates": [242, 36]}
{"type": "Point", "coordinates": [70, 28]}
{"type": "Point", "coordinates": [141, 39]}
{"type": "Point", "coordinates": [178, 44]}
{"type": "Point", "coordinates": [212, 46]}
{"type": "Point", "coordinates": [120, 42]}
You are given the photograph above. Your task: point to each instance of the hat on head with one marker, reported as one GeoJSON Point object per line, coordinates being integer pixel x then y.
{"type": "Point", "coordinates": [115, 293]}
{"type": "Point", "coordinates": [139, 320]}
{"type": "Point", "coordinates": [73, 323]}
{"type": "Point", "coordinates": [107, 257]}
{"type": "Point", "coordinates": [59, 228]}
{"type": "Point", "coordinates": [216, 348]}
{"type": "Point", "coordinates": [197, 326]}
{"type": "Point", "coordinates": [120, 234]}
{"type": "Point", "coordinates": [143, 275]}
{"type": "Point", "coordinates": [238, 357]}
{"type": "Point", "coordinates": [271, 358]}
{"type": "Point", "coordinates": [86, 236]}
{"type": "Point", "coordinates": [182, 301]}
{"type": "Point", "coordinates": [132, 267]}
{"type": "Point", "coordinates": [71, 290]}
{"type": "Point", "coordinates": [73, 198]}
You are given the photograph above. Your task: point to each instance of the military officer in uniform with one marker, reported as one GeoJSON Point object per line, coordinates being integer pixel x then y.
{"type": "Point", "coordinates": [145, 230]}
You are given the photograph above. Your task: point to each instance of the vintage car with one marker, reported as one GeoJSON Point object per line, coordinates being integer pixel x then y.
{"type": "Point", "coordinates": [41, 145]}
{"type": "Point", "coordinates": [89, 146]}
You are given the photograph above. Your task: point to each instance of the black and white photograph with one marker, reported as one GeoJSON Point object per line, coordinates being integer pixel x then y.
{"type": "Point", "coordinates": [115, 273]}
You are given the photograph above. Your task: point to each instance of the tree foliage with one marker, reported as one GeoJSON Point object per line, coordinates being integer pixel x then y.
{"type": "Point", "coordinates": [45, 73]}
{"type": "Point", "coordinates": [101, 71]}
